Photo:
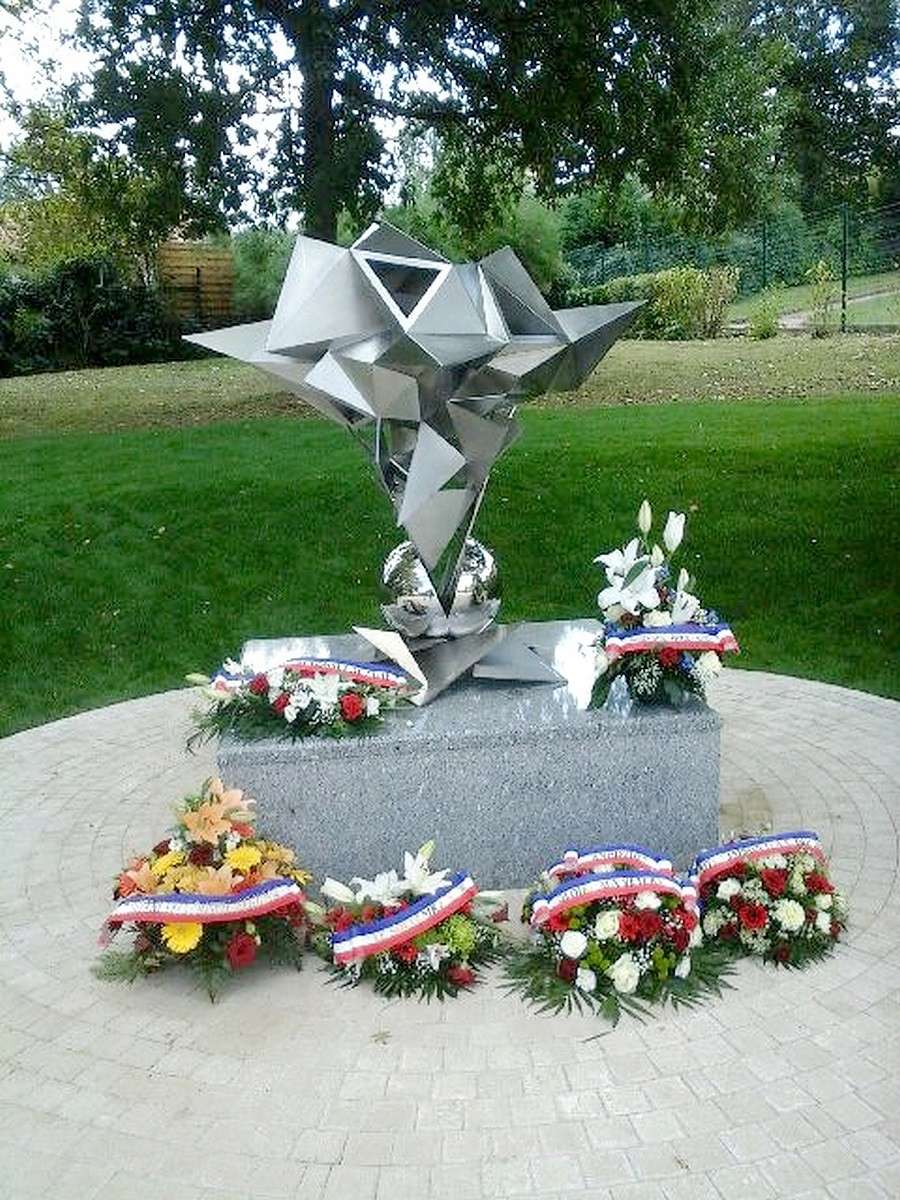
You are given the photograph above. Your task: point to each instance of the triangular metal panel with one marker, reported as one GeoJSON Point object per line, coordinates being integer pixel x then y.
{"type": "Point", "coordinates": [341, 306]}
{"type": "Point", "coordinates": [432, 527]}
{"type": "Point", "coordinates": [366, 264]}
{"type": "Point", "coordinates": [331, 377]}
{"type": "Point", "coordinates": [493, 317]}
{"type": "Point", "coordinates": [395, 395]}
{"type": "Point", "coordinates": [449, 310]}
{"type": "Point", "coordinates": [520, 320]}
{"type": "Point", "coordinates": [504, 267]}
{"type": "Point", "coordinates": [481, 440]}
{"type": "Point", "coordinates": [434, 463]}
{"type": "Point", "coordinates": [576, 323]}
{"type": "Point", "coordinates": [311, 260]}
{"type": "Point", "coordinates": [243, 342]}
{"type": "Point", "coordinates": [383, 238]}
{"type": "Point", "coordinates": [454, 349]}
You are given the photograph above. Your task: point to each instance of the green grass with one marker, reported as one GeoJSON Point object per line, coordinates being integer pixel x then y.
{"type": "Point", "coordinates": [172, 395]}
{"type": "Point", "coordinates": [128, 559]}
{"type": "Point", "coordinates": [879, 310]}
{"type": "Point", "coordinates": [799, 297]}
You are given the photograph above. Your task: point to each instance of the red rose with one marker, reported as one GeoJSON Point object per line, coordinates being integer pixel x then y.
{"type": "Point", "coordinates": [353, 706]}
{"type": "Point", "coordinates": [774, 880]}
{"type": "Point", "coordinates": [650, 923]}
{"type": "Point", "coordinates": [201, 856]}
{"type": "Point", "coordinates": [680, 939]}
{"type": "Point", "coordinates": [339, 919]}
{"type": "Point", "coordinates": [557, 923]}
{"type": "Point", "coordinates": [736, 903]}
{"type": "Point", "coordinates": [306, 672]}
{"type": "Point", "coordinates": [461, 976]}
{"type": "Point", "coordinates": [687, 918]}
{"type": "Point", "coordinates": [817, 883]}
{"type": "Point", "coordinates": [406, 952]}
{"type": "Point", "coordinates": [728, 931]}
{"type": "Point", "coordinates": [293, 913]}
{"type": "Point", "coordinates": [669, 656]}
{"type": "Point", "coordinates": [567, 969]}
{"type": "Point", "coordinates": [161, 847]}
{"type": "Point", "coordinates": [259, 685]}
{"type": "Point", "coordinates": [371, 912]}
{"type": "Point", "coordinates": [280, 703]}
{"type": "Point", "coordinates": [629, 926]}
{"type": "Point", "coordinates": [753, 916]}
{"type": "Point", "coordinates": [782, 952]}
{"type": "Point", "coordinates": [737, 871]}
{"type": "Point", "coordinates": [241, 950]}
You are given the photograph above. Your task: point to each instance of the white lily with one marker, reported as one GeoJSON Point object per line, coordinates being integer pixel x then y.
{"type": "Point", "coordinates": [684, 607]}
{"type": "Point", "coordinates": [416, 876]}
{"type": "Point", "coordinates": [674, 531]}
{"type": "Point", "coordinates": [325, 688]}
{"type": "Point", "coordinates": [383, 889]}
{"type": "Point", "coordinates": [683, 580]}
{"type": "Point", "coordinates": [619, 562]}
{"type": "Point", "coordinates": [639, 593]}
{"type": "Point", "coordinates": [335, 890]}
{"type": "Point", "coordinates": [645, 517]}
{"type": "Point", "coordinates": [657, 557]}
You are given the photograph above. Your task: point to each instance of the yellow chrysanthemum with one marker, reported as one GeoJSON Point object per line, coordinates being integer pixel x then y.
{"type": "Point", "coordinates": [300, 876]}
{"type": "Point", "coordinates": [243, 858]}
{"type": "Point", "coordinates": [165, 862]}
{"type": "Point", "coordinates": [182, 936]}
{"type": "Point", "coordinates": [278, 853]}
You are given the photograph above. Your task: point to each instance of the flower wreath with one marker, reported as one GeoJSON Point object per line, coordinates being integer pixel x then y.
{"type": "Point", "coordinates": [427, 933]}
{"type": "Point", "coordinates": [772, 897]}
{"type": "Point", "coordinates": [300, 698]}
{"type": "Point", "coordinates": [212, 895]}
{"type": "Point", "coordinates": [612, 930]}
{"type": "Point", "coordinates": [657, 636]}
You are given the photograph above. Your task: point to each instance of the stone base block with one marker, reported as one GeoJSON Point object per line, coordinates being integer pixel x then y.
{"type": "Point", "coordinates": [504, 777]}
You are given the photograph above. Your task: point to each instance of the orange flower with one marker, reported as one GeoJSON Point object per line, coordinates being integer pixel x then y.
{"type": "Point", "coordinates": [214, 816]}
{"type": "Point", "coordinates": [214, 882]}
{"type": "Point", "coordinates": [142, 878]}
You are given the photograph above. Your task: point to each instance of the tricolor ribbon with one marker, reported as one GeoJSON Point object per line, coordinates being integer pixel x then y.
{"type": "Point", "coordinates": [376, 937]}
{"type": "Point", "coordinates": [717, 638]}
{"type": "Point", "coordinates": [615, 885]}
{"type": "Point", "coordinates": [599, 859]}
{"type": "Point", "coordinates": [367, 673]}
{"type": "Point", "coordinates": [172, 908]}
{"type": "Point", "coordinates": [712, 863]}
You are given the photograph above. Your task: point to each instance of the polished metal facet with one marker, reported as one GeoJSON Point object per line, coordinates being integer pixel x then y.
{"type": "Point", "coordinates": [425, 361]}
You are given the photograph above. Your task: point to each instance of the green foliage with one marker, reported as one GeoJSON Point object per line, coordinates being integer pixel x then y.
{"type": "Point", "coordinates": [764, 314]}
{"type": "Point", "coordinates": [682, 302]}
{"type": "Point", "coordinates": [261, 258]}
{"type": "Point", "coordinates": [822, 299]}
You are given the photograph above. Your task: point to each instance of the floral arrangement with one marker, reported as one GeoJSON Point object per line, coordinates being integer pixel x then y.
{"type": "Point", "coordinates": [426, 933]}
{"type": "Point", "coordinates": [657, 635]}
{"type": "Point", "coordinates": [771, 896]}
{"type": "Point", "coordinates": [211, 895]}
{"type": "Point", "coordinates": [304, 697]}
{"type": "Point", "coordinates": [613, 930]}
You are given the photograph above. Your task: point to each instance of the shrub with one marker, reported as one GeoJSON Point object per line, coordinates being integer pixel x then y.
{"type": "Point", "coordinates": [683, 302]}
{"type": "Point", "coordinates": [824, 294]}
{"type": "Point", "coordinates": [261, 259]}
{"type": "Point", "coordinates": [764, 315]}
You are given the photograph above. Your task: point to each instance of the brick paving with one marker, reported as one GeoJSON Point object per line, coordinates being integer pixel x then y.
{"type": "Point", "coordinates": [788, 1087]}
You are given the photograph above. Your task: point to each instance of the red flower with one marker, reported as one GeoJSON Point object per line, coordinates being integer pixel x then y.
{"type": "Point", "coordinates": [774, 880]}
{"type": "Point", "coordinates": [650, 923]}
{"type": "Point", "coordinates": [339, 919]}
{"type": "Point", "coordinates": [567, 969]}
{"type": "Point", "coordinates": [782, 952]}
{"type": "Point", "coordinates": [680, 939]}
{"type": "Point", "coordinates": [259, 685]}
{"type": "Point", "coordinates": [557, 923]}
{"type": "Point", "coordinates": [241, 950]}
{"type": "Point", "coordinates": [125, 885]}
{"type": "Point", "coordinates": [687, 918]}
{"type": "Point", "coordinates": [753, 916]}
{"type": "Point", "coordinates": [816, 883]}
{"type": "Point", "coordinates": [280, 703]}
{"type": "Point", "coordinates": [242, 829]}
{"type": "Point", "coordinates": [161, 847]}
{"type": "Point", "coordinates": [728, 931]}
{"type": "Point", "coordinates": [669, 656]}
{"type": "Point", "coordinates": [835, 929]}
{"type": "Point", "coordinates": [499, 915]}
{"type": "Point", "coordinates": [406, 952]}
{"type": "Point", "coordinates": [736, 903]}
{"type": "Point", "coordinates": [371, 912]}
{"type": "Point", "coordinates": [201, 856]}
{"type": "Point", "coordinates": [737, 871]}
{"type": "Point", "coordinates": [353, 706]}
{"type": "Point", "coordinates": [629, 927]}
{"type": "Point", "coordinates": [293, 913]}
{"type": "Point", "coordinates": [461, 976]}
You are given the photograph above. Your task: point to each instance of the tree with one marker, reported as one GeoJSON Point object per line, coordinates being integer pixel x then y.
{"type": "Point", "coordinates": [571, 93]}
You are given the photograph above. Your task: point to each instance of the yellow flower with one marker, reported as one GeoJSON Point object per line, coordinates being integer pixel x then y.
{"type": "Point", "coordinates": [278, 853]}
{"type": "Point", "coordinates": [182, 936]}
{"type": "Point", "coordinates": [165, 862]}
{"type": "Point", "coordinates": [243, 858]}
{"type": "Point", "coordinates": [300, 876]}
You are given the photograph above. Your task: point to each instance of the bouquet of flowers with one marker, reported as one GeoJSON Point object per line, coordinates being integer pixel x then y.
{"type": "Point", "coordinates": [657, 635]}
{"type": "Point", "coordinates": [425, 933]}
{"type": "Point", "coordinates": [612, 930]}
{"type": "Point", "coordinates": [212, 894]}
{"type": "Point", "coordinates": [302, 697]}
{"type": "Point", "coordinates": [770, 896]}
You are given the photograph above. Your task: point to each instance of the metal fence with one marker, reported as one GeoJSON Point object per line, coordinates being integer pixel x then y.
{"type": "Point", "coordinates": [861, 248]}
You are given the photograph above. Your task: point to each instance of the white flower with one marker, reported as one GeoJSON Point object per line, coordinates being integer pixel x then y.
{"type": "Point", "coordinates": [657, 557]}
{"type": "Point", "coordinates": [334, 890]}
{"type": "Point", "coordinates": [674, 531]}
{"type": "Point", "coordinates": [713, 922]}
{"type": "Point", "coordinates": [645, 517]}
{"type": "Point", "coordinates": [823, 901]}
{"type": "Point", "coordinates": [707, 666]}
{"type": "Point", "coordinates": [586, 979]}
{"type": "Point", "coordinates": [573, 943]}
{"type": "Point", "coordinates": [620, 562]}
{"type": "Point", "coordinates": [625, 974]}
{"type": "Point", "coordinates": [275, 678]}
{"type": "Point", "coordinates": [683, 967]}
{"type": "Point", "coordinates": [684, 607]}
{"type": "Point", "coordinates": [631, 593]}
{"type": "Point", "coordinates": [435, 953]}
{"type": "Point", "coordinates": [232, 841]}
{"type": "Point", "coordinates": [290, 712]}
{"type": "Point", "coordinates": [383, 889]}
{"type": "Point", "coordinates": [696, 938]}
{"type": "Point", "coordinates": [647, 900]}
{"type": "Point", "coordinates": [302, 698]}
{"type": "Point", "coordinates": [773, 862]}
{"type": "Point", "coordinates": [606, 926]}
{"type": "Point", "coordinates": [325, 688]}
{"type": "Point", "coordinates": [796, 882]}
{"type": "Point", "coordinates": [657, 618]}
{"type": "Point", "coordinates": [727, 888]}
{"type": "Point", "coordinates": [373, 706]}
{"type": "Point", "coordinates": [789, 914]}
{"type": "Point", "coordinates": [683, 580]}
{"type": "Point", "coordinates": [416, 876]}
{"type": "Point", "coordinates": [823, 922]}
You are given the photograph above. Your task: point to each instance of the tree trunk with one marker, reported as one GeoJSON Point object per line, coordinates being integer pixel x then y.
{"type": "Point", "coordinates": [318, 62]}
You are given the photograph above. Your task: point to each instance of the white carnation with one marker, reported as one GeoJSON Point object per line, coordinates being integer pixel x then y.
{"type": "Point", "coordinates": [275, 678]}
{"type": "Point", "coordinates": [713, 922]}
{"type": "Point", "coordinates": [290, 712]}
{"type": "Point", "coordinates": [647, 900]}
{"type": "Point", "coordinates": [606, 926]}
{"type": "Point", "coordinates": [823, 922]}
{"type": "Point", "coordinates": [657, 618]}
{"type": "Point", "coordinates": [573, 943]}
{"type": "Point", "coordinates": [707, 666]}
{"type": "Point", "coordinates": [373, 706]}
{"type": "Point", "coordinates": [789, 914]}
{"type": "Point", "coordinates": [773, 862]}
{"type": "Point", "coordinates": [823, 901]}
{"type": "Point", "coordinates": [625, 974]}
{"type": "Point", "coordinates": [586, 979]}
{"type": "Point", "coordinates": [683, 968]}
{"type": "Point", "coordinates": [696, 938]}
{"type": "Point", "coordinates": [728, 888]}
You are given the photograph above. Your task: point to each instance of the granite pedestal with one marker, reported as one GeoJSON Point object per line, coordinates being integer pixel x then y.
{"type": "Point", "coordinates": [504, 777]}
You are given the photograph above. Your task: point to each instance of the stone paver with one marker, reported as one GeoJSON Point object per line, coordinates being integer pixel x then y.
{"type": "Point", "coordinates": [788, 1087]}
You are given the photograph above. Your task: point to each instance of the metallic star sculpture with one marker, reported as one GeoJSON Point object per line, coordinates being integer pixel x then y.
{"type": "Point", "coordinates": [424, 361]}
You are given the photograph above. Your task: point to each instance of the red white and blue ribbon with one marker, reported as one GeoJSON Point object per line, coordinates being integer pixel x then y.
{"type": "Point", "coordinates": [366, 673]}
{"type": "Point", "coordinates": [711, 863]}
{"type": "Point", "coordinates": [598, 859]}
{"type": "Point", "coordinates": [718, 638]}
{"type": "Point", "coordinates": [173, 908]}
{"type": "Point", "coordinates": [615, 885]}
{"type": "Point", "coordinates": [377, 937]}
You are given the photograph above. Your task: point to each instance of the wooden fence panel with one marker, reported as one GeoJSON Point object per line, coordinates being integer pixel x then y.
{"type": "Point", "coordinates": [198, 280]}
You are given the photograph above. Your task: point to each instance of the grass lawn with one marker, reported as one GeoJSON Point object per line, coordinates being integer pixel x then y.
{"type": "Point", "coordinates": [128, 559]}
{"type": "Point", "coordinates": [799, 297]}
{"type": "Point", "coordinates": [877, 310]}
{"type": "Point", "coordinates": [167, 395]}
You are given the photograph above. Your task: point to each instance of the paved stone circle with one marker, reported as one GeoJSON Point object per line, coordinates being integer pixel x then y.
{"type": "Point", "coordinates": [787, 1087]}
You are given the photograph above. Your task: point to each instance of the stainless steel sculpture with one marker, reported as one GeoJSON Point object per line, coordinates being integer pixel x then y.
{"type": "Point", "coordinates": [424, 361]}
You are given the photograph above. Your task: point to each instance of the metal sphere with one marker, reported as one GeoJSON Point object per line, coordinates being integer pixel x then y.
{"type": "Point", "coordinates": [415, 609]}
